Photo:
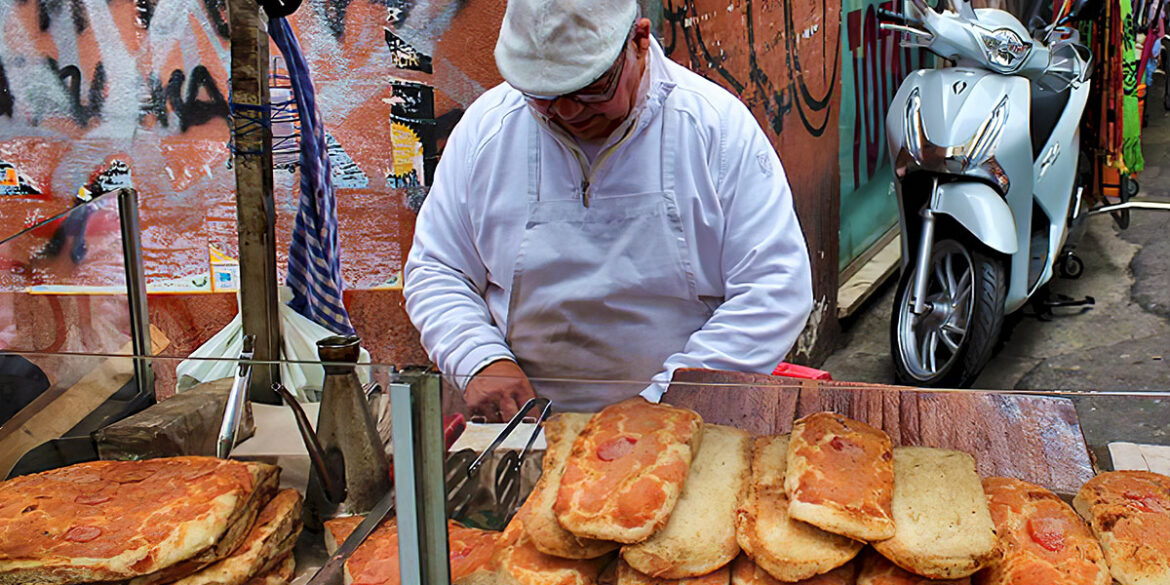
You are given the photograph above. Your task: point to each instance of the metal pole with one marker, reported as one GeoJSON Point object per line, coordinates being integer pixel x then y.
{"type": "Point", "coordinates": [136, 289]}
{"type": "Point", "coordinates": [419, 457]}
{"type": "Point", "coordinates": [256, 214]}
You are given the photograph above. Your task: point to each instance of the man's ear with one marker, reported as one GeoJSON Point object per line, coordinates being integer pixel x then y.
{"type": "Point", "coordinates": [642, 34]}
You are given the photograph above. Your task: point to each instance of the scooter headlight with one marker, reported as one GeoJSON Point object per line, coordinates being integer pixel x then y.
{"type": "Point", "coordinates": [915, 133]}
{"type": "Point", "coordinates": [1005, 50]}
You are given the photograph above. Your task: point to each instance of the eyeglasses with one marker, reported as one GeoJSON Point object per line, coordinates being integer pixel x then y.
{"type": "Point", "coordinates": [611, 79]}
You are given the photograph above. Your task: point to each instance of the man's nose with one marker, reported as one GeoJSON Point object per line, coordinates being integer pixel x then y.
{"type": "Point", "coordinates": [567, 108]}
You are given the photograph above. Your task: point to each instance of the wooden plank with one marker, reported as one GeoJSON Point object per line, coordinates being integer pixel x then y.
{"type": "Point", "coordinates": [757, 403]}
{"type": "Point", "coordinates": [255, 207]}
{"type": "Point", "coordinates": [53, 413]}
{"type": "Point", "coordinates": [862, 284]}
{"type": "Point", "coordinates": [1034, 438]}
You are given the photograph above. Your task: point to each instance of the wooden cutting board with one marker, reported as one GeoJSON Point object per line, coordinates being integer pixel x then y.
{"type": "Point", "coordinates": [1029, 437]}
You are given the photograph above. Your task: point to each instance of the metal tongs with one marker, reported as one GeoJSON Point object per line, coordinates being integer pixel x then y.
{"type": "Point", "coordinates": [233, 411]}
{"type": "Point", "coordinates": [461, 486]}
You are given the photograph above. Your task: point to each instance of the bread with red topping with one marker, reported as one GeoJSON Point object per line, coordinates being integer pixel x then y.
{"type": "Point", "coordinates": [272, 537]}
{"type": "Point", "coordinates": [626, 470]}
{"type": "Point", "coordinates": [150, 521]}
{"type": "Point", "coordinates": [282, 572]}
{"type": "Point", "coordinates": [627, 575]}
{"type": "Point", "coordinates": [878, 570]}
{"type": "Point", "coordinates": [1129, 513]}
{"type": "Point", "coordinates": [518, 562]}
{"type": "Point", "coordinates": [700, 535]}
{"type": "Point", "coordinates": [943, 528]}
{"type": "Point", "coordinates": [841, 476]}
{"type": "Point", "coordinates": [787, 549]}
{"type": "Point", "coordinates": [744, 571]}
{"type": "Point", "coordinates": [1041, 537]}
{"type": "Point", "coordinates": [537, 516]}
{"type": "Point", "coordinates": [375, 562]}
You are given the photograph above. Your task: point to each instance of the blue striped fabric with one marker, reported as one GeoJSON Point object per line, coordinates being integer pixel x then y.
{"type": "Point", "coordinates": [314, 256]}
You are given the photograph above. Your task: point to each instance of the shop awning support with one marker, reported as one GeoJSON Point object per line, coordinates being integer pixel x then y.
{"type": "Point", "coordinates": [255, 207]}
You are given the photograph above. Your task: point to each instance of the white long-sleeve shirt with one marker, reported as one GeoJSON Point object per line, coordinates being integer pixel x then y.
{"type": "Point", "coordinates": [747, 256]}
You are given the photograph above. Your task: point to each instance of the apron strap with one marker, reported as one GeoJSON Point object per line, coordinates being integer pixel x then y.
{"type": "Point", "coordinates": [533, 161]}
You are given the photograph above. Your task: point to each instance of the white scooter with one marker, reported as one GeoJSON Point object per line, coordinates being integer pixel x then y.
{"type": "Point", "coordinates": [985, 155]}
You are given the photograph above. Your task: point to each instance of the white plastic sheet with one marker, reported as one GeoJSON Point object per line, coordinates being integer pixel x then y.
{"type": "Point", "coordinates": [298, 342]}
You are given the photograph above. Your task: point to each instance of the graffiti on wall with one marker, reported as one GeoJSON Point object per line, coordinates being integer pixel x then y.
{"type": "Point", "coordinates": [874, 66]}
{"type": "Point", "coordinates": [82, 81]}
{"type": "Point", "coordinates": [779, 57]}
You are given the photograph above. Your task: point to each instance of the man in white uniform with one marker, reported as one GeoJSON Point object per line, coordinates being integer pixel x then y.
{"type": "Point", "coordinates": [606, 214]}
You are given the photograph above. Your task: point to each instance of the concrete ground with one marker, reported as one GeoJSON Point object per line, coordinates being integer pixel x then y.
{"type": "Point", "coordinates": [1120, 345]}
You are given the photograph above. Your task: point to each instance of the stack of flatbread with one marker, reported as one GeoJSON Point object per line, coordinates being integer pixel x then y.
{"type": "Point", "coordinates": [186, 520]}
{"type": "Point", "coordinates": [643, 493]}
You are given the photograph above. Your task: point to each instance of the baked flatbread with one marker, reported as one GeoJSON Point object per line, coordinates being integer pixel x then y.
{"type": "Point", "coordinates": [537, 514]}
{"type": "Point", "coordinates": [700, 535]}
{"type": "Point", "coordinates": [878, 570]}
{"type": "Point", "coordinates": [787, 549]}
{"type": "Point", "coordinates": [518, 562]}
{"type": "Point", "coordinates": [627, 575]}
{"type": "Point", "coordinates": [841, 476]}
{"type": "Point", "coordinates": [745, 572]}
{"type": "Point", "coordinates": [626, 470]}
{"type": "Point", "coordinates": [375, 562]}
{"type": "Point", "coordinates": [1129, 512]}
{"type": "Point", "coordinates": [943, 525]}
{"type": "Point", "coordinates": [140, 521]}
{"type": "Point", "coordinates": [283, 572]}
{"type": "Point", "coordinates": [1042, 539]}
{"type": "Point", "coordinates": [272, 537]}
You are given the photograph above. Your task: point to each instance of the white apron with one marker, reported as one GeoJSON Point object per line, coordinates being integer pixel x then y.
{"type": "Point", "coordinates": [603, 291]}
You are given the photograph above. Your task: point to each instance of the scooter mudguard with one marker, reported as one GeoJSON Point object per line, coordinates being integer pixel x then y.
{"type": "Point", "coordinates": [980, 209]}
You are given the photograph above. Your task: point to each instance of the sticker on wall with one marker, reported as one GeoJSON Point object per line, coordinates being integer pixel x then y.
{"type": "Point", "coordinates": [13, 183]}
{"type": "Point", "coordinates": [404, 56]}
{"type": "Point", "coordinates": [408, 156]}
{"type": "Point", "coordinates": [346, 173]}
{"type": "Point", "coordinates": [225, 271]}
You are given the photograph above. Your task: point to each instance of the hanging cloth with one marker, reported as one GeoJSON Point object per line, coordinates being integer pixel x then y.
{"type": "Point", "coordinates": [1131, 141]}
{"type": "Point", "coordinates": [314, 256]}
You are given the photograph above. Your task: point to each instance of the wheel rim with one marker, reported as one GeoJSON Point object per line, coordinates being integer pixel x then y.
{"type": "Point", "coordinates": [930, 343]}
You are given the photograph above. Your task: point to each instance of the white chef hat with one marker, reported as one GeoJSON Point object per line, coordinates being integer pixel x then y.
{"type": "Point", "coordinates": [555, 47]}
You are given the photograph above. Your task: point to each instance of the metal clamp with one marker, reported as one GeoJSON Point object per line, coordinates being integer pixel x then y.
{"type": "Point", "coordinates": [233, 411]}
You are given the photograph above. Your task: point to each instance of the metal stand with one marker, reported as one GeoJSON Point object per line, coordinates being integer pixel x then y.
{"type": "Point", "coordinates": [136, 289]}
{"type": "Point", "coordinates": [419, 482]}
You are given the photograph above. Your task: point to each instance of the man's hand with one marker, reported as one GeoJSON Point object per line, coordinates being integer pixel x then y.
{"type": "Point", "coordinates": [498, 391]}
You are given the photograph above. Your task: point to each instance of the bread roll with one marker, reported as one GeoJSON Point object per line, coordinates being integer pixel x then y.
{"type": "Point", "coordinates": [700, 535]}
{"type": "Point", "coordinates": [841, 476]}
{"type": "Point", "coordinates": [1042, 539]}
{"type": "Point", "coordinates": [560, 431]}
{"type": "Point", "coordinates": [627, 575]}
{"type": "Point", "coordinates": [787, 549]}
{"type": "Point", "coordinates": [1129, 512]}
{"type": "Point", "coordinates": [626, 470]}
{"type": "Point", "coordinates": [518, 562]}
{"type": "Point", "coordinates": [878, 570]}
{"type": "Point", "coordinates": [943, 525]}
{"type": "Point", "coordinates": [745, 572]}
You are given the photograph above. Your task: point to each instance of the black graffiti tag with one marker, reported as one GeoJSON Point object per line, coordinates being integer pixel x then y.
{"type": "Point", "coordinates": [70, 77]}
{"type": "Point", "coordinates": [190, 109]}
{"type": "Point", "coordinates": [49, 9]}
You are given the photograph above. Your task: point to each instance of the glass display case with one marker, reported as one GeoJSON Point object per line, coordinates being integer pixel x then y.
{"type": "Point", "coordinates": [96, 377]}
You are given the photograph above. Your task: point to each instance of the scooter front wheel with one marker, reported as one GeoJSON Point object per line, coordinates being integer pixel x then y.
{"type": "Point", "coordinates": [952, 340]}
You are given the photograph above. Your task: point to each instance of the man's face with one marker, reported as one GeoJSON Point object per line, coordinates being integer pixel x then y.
{"type": "Point", "coordinates": [597, 110]}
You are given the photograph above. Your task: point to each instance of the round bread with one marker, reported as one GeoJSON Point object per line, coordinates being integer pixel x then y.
{"type": "Point", "coordinates": [1042, 539]}
{"type": "Point", "coordinates": [1129, 512]}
